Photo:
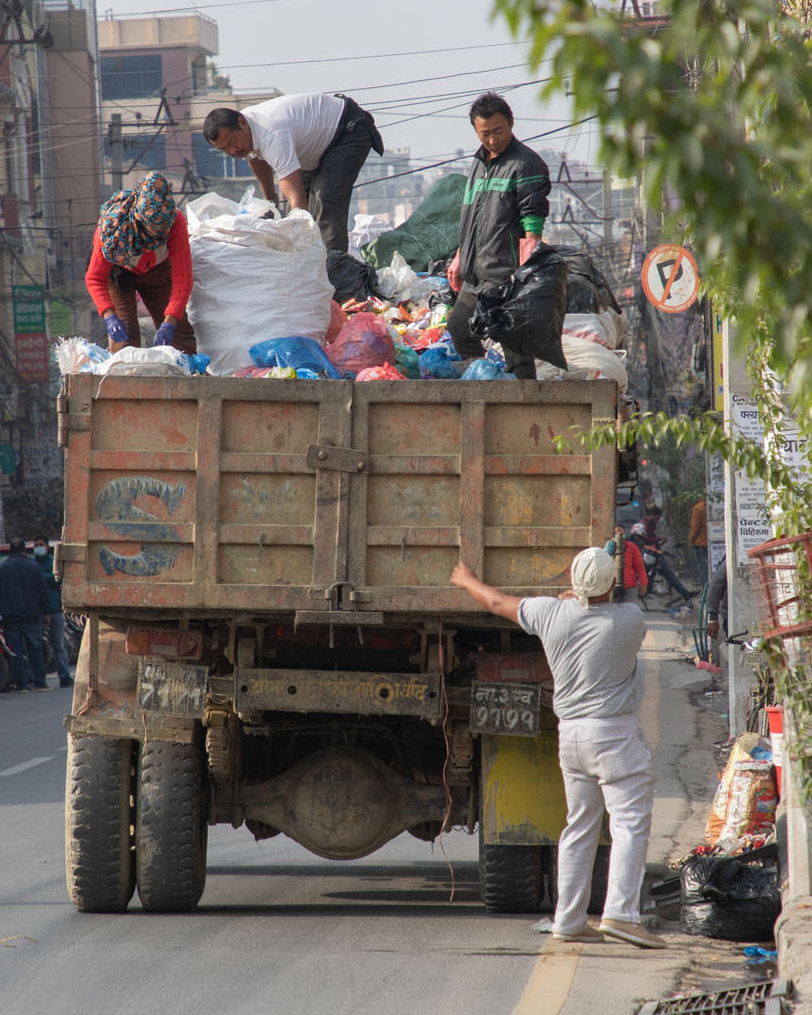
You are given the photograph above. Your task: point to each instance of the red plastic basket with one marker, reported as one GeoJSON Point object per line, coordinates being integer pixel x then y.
{"type": "Point", "coordinates": [778, 596]}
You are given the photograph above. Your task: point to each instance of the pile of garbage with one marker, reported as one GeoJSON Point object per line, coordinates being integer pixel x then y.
{"type": "Point", "coordinates": [729, 886]}
{"type": "Point", "coordinates": [268, 302]}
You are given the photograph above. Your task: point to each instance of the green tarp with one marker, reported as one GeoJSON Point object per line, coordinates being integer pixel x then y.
{"type": "Point", "coordinates": [432, 233]}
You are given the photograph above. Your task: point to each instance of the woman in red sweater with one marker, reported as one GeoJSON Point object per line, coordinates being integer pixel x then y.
{"type": "Point", "coordinates": [141, 245]}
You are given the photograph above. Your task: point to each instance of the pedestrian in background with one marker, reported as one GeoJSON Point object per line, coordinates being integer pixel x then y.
{"type": "Point", "coordinates": [24, 604]}
{"type": "Point", "coordinates": [591, 645]}
{"type": "Point", "coordinates": [56, 618]}
{"type": "Point", "coordinates": [635, 575]}
{"type": "Point", "coordinates": [698, 540]}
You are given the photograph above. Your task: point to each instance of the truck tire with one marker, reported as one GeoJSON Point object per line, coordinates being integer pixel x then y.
{"type": "Point", "coordinates": [511, 879]}
{"type": "Point", "coordinates": [600, 878]}
{"type": "Point", "coordinates": [171, 829]}
{"type": "Point", "coordinates": [99, 856]}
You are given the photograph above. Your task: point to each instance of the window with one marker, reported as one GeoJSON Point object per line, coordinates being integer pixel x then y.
{"type": "Point", "coordinates": [211, 163]}
{"type": "Point", "coordinates": [131, 77]}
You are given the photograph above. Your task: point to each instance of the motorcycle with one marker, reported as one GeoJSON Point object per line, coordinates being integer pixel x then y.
{"type": "Point", "coordinates": [74, 629]}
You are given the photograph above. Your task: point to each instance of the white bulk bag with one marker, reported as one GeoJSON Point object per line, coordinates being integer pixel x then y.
{"type": "Point", "coordinates": [254, 278]}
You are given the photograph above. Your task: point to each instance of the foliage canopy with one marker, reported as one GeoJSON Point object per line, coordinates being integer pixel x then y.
{"type": "Point", "coordinates": [713, 100]}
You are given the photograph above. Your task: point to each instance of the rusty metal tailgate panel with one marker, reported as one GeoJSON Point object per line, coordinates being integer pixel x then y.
{"type": "Point", "coordinates": [236, 494]}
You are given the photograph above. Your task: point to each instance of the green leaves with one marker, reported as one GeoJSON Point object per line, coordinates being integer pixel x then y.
{"type": "Point", "coordinates": [715, 105]}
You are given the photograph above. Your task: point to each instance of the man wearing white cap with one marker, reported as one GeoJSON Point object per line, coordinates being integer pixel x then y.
{"type": "Point", "coordinates": [591, 645]}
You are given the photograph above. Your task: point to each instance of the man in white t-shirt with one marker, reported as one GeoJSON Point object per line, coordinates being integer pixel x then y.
{"type": "Point", "coordinates": [591, 645]}
{"type": "Point", "coordinates": [314, 144]}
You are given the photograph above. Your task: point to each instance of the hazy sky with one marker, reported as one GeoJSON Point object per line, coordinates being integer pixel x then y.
{"type": "Point", "coordinates": [380, 52]}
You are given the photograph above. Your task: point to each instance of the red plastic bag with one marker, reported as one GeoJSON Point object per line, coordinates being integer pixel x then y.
{"type": "Point", "coordinates": [364, 341]}
{"type": "Point", "coordinates": [385, 373]}
{"type": "Point", "coordinates": [337, 321]}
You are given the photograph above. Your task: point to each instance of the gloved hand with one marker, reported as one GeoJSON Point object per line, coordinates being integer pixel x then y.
{"type": "Point", "coordinates": [116, 332]}
{"type": "Point", "coordinates": [453, 273]}
{"type": "Point", "coordinates": [165, 335]}
{"type": "Point", "coordinates": [527, 244]}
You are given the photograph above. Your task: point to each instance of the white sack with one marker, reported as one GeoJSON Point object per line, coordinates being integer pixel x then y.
{"type": "Point", "coordinates": [605, 328]}
{"type": "Point", "coordinates": [587, 361]}
{"type": "Point", "coordinates": [254, 278]}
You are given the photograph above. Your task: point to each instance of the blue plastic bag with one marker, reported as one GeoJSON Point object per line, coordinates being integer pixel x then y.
{"type": "Point", "coordinates": [440, 361]}
{"type": "Point", "coordinates": [297, 352]}
{"type": "Point", "coordinates": [485, 370]}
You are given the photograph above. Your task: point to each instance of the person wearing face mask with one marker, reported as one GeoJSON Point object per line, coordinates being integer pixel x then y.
{"type": "Point", "coordinates": [55, 619]}
{"type": "Point", "coordinates": [141, 246]}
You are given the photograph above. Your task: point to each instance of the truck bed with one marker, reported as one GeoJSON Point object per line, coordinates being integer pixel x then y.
{"type": "Point", "coordinates": [324, 499]}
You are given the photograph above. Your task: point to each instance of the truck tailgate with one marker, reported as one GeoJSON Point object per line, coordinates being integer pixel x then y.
{"type": "Point", "coordinates": [231, 494]}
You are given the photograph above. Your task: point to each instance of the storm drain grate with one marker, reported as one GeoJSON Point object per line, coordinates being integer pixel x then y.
{"type": "Point", "coordinates": [754, 999]}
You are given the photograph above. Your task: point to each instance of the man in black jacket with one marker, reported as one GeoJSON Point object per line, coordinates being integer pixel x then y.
{"type": "Point", "coordinates": [23, 604]}
{"type": "Point", "coordinates": [503, 213]}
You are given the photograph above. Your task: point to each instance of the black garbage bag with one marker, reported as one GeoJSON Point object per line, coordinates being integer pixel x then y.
{"type": "Point", "coordinates": [350, 278]}
{"type": "Point", "coordinates": [724, 897]}
{"type": "Point", "coordinates": [587, 290]}
{"type": "Point", "coordinates": [526, 313]}
{"type": "Point", "coordinates": [444, 296]}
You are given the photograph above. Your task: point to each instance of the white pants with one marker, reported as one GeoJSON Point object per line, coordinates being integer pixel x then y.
{"type": "Point", "coordinates": [605, 763]}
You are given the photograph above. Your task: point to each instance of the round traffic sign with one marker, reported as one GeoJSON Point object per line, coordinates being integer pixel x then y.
{"type": "Point", "coordinates": [670, 278]}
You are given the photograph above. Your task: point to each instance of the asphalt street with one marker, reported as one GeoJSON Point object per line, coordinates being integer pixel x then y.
{"type": "Point", "coordinates": [402, 931]}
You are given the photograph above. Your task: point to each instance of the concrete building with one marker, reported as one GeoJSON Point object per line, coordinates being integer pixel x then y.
{"type": "Point", "coordinates": [49, 198]}
{"type": "Point", "coordinates": [158, 82]}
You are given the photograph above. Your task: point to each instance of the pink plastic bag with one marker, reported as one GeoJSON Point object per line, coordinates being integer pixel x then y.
{"type": "Point", "coordinates": [385, 373]}
{"type": "Point", "coordinates": [337, 321]}
{"type": "Point", "coordinates": [363, 342]}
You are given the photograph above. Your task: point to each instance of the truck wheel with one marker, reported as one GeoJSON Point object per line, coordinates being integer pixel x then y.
{"type": "Point", "coordinates": [600, 878]}
{"type": "Point", "coordinates": [171, 828]}
{"type": "Point", "coordinates": [510, 877]}
{"type": "Point", "coordinates": [99, 857]}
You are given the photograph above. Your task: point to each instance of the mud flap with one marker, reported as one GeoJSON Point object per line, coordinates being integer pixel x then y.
{"type": "Point", "coordinates": [522, 790]}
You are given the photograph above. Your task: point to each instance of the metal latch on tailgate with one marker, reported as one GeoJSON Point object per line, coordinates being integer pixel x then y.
{"type": "Point", "coordinates": [324, 456]}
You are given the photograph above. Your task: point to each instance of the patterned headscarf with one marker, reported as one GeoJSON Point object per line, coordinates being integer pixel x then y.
{"type": "Point", "coordinates": [123, 216]}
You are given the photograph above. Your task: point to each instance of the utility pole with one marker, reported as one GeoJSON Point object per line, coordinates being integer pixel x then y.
{"type": "Point", "coordinates": [116, 152]}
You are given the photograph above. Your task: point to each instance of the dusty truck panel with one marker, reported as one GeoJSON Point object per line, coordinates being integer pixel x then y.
{"type": "Point", "coordinates": [272, 638]}
{"type": "Point", "coordinates": [201, 493]}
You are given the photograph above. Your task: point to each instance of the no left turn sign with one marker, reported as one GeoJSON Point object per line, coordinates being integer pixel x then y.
{"type": "Point", "coordinates": [670, 278]}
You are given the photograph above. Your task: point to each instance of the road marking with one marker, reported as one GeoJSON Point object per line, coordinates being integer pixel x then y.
{"type": "Point", "coordinates": [24, 766]}
{"type": "Point", "coordinates": [551, 980]}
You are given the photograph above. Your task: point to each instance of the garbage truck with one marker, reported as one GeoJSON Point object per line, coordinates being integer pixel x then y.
{"type": "Point", "coordinates": [272, 640]}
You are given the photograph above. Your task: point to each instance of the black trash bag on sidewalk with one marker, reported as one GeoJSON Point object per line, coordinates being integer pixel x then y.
{"type": "Point", "coordinates": [351, 279]}
{"type": "Point", "coordinates": [526, 313]}
{"type": "Point", "coordinates": [724, 897]}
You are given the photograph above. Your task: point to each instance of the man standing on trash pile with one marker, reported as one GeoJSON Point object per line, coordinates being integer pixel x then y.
{"type": "Point", "coordinates": [503, 213]}
{"type": "Point", "coordinates": [591, 645]}
{"type": "Point", "coordinates": [315, 144]}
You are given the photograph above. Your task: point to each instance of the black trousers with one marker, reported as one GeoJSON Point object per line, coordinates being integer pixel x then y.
{"type": "Point", "coordinates": [329, 186]}
{"type": "Point", "coordinates": [470, 347]}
